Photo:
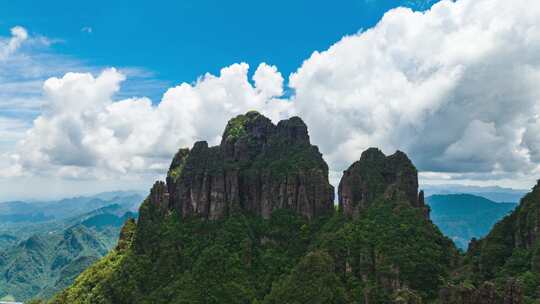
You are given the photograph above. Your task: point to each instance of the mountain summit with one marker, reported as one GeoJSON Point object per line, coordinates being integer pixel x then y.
{"type": "Point", "coordinates": [258, 167]}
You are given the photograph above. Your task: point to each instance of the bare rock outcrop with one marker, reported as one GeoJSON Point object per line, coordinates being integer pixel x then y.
{"type": "Point", "coordinates": [258, 167]}
{"type": "Point", "coordinates": [377, 176]}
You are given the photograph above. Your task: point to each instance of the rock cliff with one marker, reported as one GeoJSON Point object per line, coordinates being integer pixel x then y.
{"type": "Point", "coordinates": [375, 176]}
{"type": "Point", "coordinates": [258, 167]}
{"type": "Point", "coordinates": [486, 293]}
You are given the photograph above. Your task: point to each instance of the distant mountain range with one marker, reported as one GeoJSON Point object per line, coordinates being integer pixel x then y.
{"type": "Point", "coordinates": [45, 245]}
{"type": "Point", "coordinates": [40, 211]}
{"type": "Point", "coordinates": [494, 193]}
{"type": "Point", "coordinates": [465, 216]}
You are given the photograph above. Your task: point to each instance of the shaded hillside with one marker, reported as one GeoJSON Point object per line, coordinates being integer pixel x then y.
{"type": "Point", "coordinates": [253, 221]}
{"type": "Point", "coordinates": [463, 217]}
{"type": "Point", "coordinates": [503, 267]}
{"type": "Point", "coordinates": [49, 261]}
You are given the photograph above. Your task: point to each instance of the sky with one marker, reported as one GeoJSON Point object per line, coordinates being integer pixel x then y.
{"type": "Point", "coordinates": [98, 96]}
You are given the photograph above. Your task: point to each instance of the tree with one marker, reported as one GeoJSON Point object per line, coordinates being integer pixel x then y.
{"type": "Point", "coordinates": [313, 281]}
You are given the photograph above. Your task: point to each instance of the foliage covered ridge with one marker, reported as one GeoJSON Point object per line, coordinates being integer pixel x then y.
{"type": "Point", "coordinates": [503, 267]}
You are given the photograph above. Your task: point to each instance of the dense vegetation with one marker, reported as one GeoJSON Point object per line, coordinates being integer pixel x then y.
{"type": "Point", "coordinates": [390, 254]}
{"type": "Point", "coordinates": [286, 259]}
{"type": "Point", "coordinates": [510, 253]}
{"type": "Point", "coordinates": [463, 217]}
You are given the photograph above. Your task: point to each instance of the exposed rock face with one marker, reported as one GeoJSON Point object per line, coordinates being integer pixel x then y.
{"type": "Point", "coordinates": [484, 294]}
{"type": "Point", "coordinates": [258, 167]}
{"type": "Point", "coordinates": [513, 292]}
{"type": "Point", "coordinates": [376, 175]}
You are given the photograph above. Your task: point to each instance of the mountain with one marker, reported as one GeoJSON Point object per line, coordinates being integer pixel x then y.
{"type": "Point", "coordinates": [24, 265]}
{"type": "Point", "coordinates": [376, 175]}
{"type": "Point", "coordinates": [494, 193]}
{"type": "Point", "coordinates": [463, 217]}
{"type": "Point", "coordinates": [259, 167]}
{"type": "Point", "coordinates": [23, 219]}
{"type": "Point", "coordinates": [56, 252]}
{"type": "Point", "coordinates": [38, 211]}
{"type": "Point", "coordinates": [252, 221]}
{"type": "Point", "coordinates": [504, 266]}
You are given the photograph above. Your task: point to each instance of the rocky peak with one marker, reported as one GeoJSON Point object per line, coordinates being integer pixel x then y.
{"type": "Point", "coordinates": [246, 136]}
{"type": "Point", "coordinates": [257, 168]}
{"type": "Point", "coordinates": [376, 176]}
{"type": "Point", "coordinates": [250, 125]}
{"type": "Point", "coordinates": [293, 129]}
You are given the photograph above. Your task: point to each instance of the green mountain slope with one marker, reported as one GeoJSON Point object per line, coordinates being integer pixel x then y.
{"type": "Point", "coordinates": [243, 259]}
{"type": "Point", "coordinates": [503, 267]}
{"type": "Point", "coordinates": [37, 261]}
{"type": "Point", "coordinates": [463, 217]}
{"type": "Point", "coordinates": [47, 262]}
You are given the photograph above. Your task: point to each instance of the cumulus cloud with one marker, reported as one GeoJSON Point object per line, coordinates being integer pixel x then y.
{"type": "Point", "coordinates": [83, 133]}
{"type": "Point", "coordinates": [456, 87]}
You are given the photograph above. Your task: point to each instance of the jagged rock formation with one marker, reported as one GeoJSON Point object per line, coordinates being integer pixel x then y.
{"type": "Point", "coordinates": [376, 175]}
{"type": "Point", "coordinates": [258, 167]}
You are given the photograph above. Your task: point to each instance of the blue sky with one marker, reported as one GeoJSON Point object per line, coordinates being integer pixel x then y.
{"type": "Point", "coordinates": [98, 95]}
{"type": "Point", "coordinates": [178, 41]}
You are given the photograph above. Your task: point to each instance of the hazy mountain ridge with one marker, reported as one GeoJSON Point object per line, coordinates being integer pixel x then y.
{"type": "Point", "coordinates": [47, 256]}
{"type": "Point", "coordinates": [16, 211]}
{"type": "Point", "coordinates": [494, 193]}
{"type": "Point", "coordinates": [463, 217]}
{"type": "Point", "coordinates": [23, 219]}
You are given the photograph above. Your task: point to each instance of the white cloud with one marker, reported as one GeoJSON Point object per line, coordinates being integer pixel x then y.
{"type": "Point", "coordinates": [83, 133]}
{"type": "Point", "coordinates": [268, 80]}
{"type": "Point", "coordinates": [456, 87]}
{"type": "Point", "coordinates": [25, 63]}
{"type": "Point", "coordinates": [87, 29]}
{"type": "Point", "coordinates": [10, 45]}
